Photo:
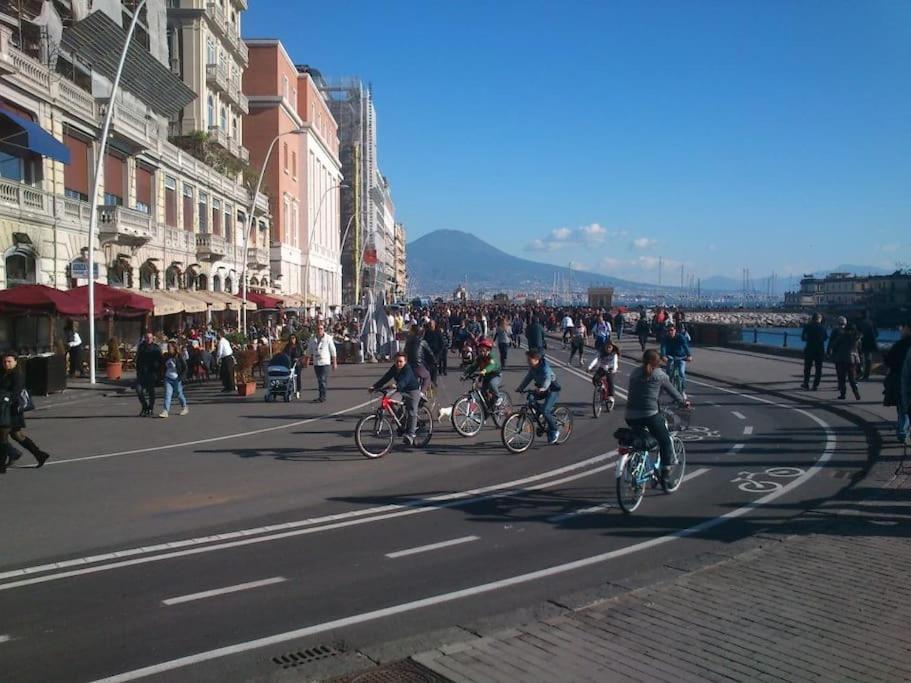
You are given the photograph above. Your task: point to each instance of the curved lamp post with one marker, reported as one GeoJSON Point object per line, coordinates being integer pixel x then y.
{"type": "Point", "coordinates": [340, 186]}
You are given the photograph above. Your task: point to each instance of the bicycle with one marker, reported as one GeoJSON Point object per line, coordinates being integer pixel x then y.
{"type": "Point", "coordinates": [640, 461]}
{"type": "Point", "coordinates": [520, 429]}
{"type": "Point", "coordinates": [471, 410]}
{"type": "Point", "coordinates": [601, 398]}
{"type": "Point", "coordinates": [375, 432]}
{"type": "Point", "coordinates": [675, 371]}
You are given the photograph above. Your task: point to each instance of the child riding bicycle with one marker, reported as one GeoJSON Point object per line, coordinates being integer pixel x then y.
{"type": "Point", "coordinates": [408, 385]}
{"type": "Point", "coordinates": [547, 389]}
{"type": "Point", "coordinates": [675, 350]}
{"type": "Point", "coordinates": [488, 368]}
{"type": "Point", "coordinates": [607, 363]}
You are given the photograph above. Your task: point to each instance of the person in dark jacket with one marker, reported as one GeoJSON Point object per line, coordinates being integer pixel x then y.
{"type": "Point", "coordinates": [446, 334]}
{"type": "Point", "coordinates": [295, 351]}
{"type": "Point", "coordinates": [868, 346]}
{"type": "Point", "coordinates": [175, 371]}
{"type": "Point", "coordinates": [421, 357]}
{"type": "Point", "coordinates": [814, 336]}
{"type": "Point", "coordinates": [535, 336]}
{"type": "Point", "coordinates": [12, 417]}
{"type": "Point", "coordinates": [148, 370]}
{"type": "Point", "coordinates": [843, 348]}
{"type": "Point", "coordinates": [642, 329]}
{"type": "Point", "coordinates": [408, 385]}
{"type": "Point", "coordinates": [895, 360]}
{"type": "Point", "coordinates": [437, 344]}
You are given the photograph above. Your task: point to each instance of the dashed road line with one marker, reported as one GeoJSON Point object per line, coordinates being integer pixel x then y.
{"type": "Point", "coordinates": [695, 473]}
{"type": "Point", "coordinates": [738, 415]}
{"type": "Point", "coordinates": [748, 430]}
{"type": "Point", "coordinates": [735, 449]}
{"type": "Point", "coordinates": [432, 546]}
{"type": "Point", "coordinates": [578, 513]}
{"type": "Point", "coordinates": [5, 638]}
{"type": "Point", "coordinates": [223, 591]}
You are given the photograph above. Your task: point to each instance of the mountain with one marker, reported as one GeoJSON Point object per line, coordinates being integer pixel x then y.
{"type": "Point", "coordinates": [440, 261]}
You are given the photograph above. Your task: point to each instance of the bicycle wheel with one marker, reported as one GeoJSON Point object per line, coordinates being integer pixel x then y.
{"type": "Point", "coordinates": [374, 435]}
{"type": "Point", "coordinates": [675, 472]}
{"type": "Point", "coordinates": [425, 427]}
{"type": "Point", "coordinates": [629, 491]}
{"type": "Point", "coordinates": [564, 419]}
{"type": "Point", "coordinates": [518, 432]}
{"type": "Point", "coordinates": [502, 411]}
{"type": "Point", "coordinates": [597, 403]}
{"type": "Point", "coordinates": [467, 415]}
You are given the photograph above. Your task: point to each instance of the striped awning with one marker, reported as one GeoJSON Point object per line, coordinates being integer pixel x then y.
{"type": "Point", "coordinates": [163, 304]}
{"type": "Point", "coordinates": [190, 303]}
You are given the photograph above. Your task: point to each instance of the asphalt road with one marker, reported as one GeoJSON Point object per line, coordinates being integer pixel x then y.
{"type": "Point", "coordinates": [199, 548]}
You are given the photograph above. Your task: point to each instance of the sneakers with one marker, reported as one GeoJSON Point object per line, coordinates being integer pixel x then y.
{"type": "Point", "coordinates": [610, 404]}
{"type": "Point", "coordinates": [163, 414]}
{"type": "Point", "coordinates": [553, 438]}
{"type": "Point", "coordinates": [184, 411]}
{"type": "Point", "coordinates": [297, 394]}
{"type": "Point", "coordinates": [409, 440]}
{"type": "Point", "coordinates": [41, 457]}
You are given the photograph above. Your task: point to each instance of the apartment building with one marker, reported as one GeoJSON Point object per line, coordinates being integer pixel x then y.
{"type": "Point", "coordinates": [303, 175]}
{"type": "Point", "coordinates": [172, 214]}
{"type": "Point", "coordinates": [401, 269]}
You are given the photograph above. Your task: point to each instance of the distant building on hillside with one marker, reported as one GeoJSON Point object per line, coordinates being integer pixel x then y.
{"type": "Point", "coordinates": [600, 297]}
{"type": "Point", "coordinates": [847, 291]}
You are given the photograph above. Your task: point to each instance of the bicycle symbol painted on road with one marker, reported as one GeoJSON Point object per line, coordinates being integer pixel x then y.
{"type": "Point", "coordinates": [748, 482]}
{"type": "Point", "coordinates": [699, 434]}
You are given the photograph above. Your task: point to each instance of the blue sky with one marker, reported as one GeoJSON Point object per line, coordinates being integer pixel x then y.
{"type": "Point", "coordinates": [773, 134]}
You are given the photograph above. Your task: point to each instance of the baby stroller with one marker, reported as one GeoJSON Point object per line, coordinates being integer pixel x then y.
{"type": "Point", "coordinates": [280, 381]}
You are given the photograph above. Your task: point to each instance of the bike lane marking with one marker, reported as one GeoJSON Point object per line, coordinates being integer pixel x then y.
{"type": "Point", "coordinates": [352, 518]}
{"type": "Point", "coordinates": [484, 588]}
{"type": "Point", "coordinates": [738, 415]}
{"type": "Point", "coordinates": [179, 600]}
{"type": "Point", "coordinates": [432, 546]}
{"type": "Point", "coordinates": [748, 430]}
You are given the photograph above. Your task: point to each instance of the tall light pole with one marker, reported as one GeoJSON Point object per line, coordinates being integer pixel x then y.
{"type": "Point", "coordinates": [99, 170]}
{"type": "Point", "coordinates": [310, 237]}
{"type": "Point", "coordinates": [251, 218]}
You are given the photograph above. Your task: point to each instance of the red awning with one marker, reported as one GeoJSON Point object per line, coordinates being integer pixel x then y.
{"type": "Point", "coordinates": [263, 300]}
{"type": "Point", "coordinates": [40, 299]}
{"type": "Point", "coordinates": [121, 303]}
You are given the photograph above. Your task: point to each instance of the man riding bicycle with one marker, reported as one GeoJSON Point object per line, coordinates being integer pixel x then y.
{"type": "Point", "coordinates": [675, 349]}
{"type": "Point", "coordinates": [488, 368]}
{"type": "Point", "coordinates": [642, 410]}
{"type": "Point", "coordinates": [409, 386]}
{"type": "Point", "coordinates": [547, 389]}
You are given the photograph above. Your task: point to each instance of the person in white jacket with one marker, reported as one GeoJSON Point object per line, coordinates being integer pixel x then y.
{"type": "Point", "coordinates": [605, 366]}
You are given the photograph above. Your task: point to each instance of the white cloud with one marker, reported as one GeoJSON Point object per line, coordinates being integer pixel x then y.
{"type": "Point", "coordinates": [586, 235]}
{"type": "Point", "coordinates": [561, 234]}
{"type": "Point", "coordinates": [541, 245]}
{"type": "Point", "coordinates": [644, 243]}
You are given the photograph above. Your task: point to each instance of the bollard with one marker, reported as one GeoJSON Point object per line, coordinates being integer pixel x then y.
{"type": "Point", "coordinates": [786, 339]}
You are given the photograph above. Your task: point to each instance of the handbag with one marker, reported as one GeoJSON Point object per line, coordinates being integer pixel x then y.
{"type": "Point", "coordinates": [25, 401]}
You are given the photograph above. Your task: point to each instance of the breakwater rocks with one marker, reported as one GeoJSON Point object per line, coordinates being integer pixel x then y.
{"type": "Point", "coordinates": [747, 318]}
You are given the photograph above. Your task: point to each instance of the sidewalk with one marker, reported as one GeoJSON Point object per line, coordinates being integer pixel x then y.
{"type": "Point", "coordinates": [825, 597]}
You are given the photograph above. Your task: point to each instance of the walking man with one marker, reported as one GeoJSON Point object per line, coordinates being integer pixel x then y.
{"type": "Point", "coordinates": [148, 370]}
{"type": "Point", "coordinates": [224, 356]}
{"type": "Point", "coordinates": [74, 342]}
{"type": "Point", "coordinates": [868, 346]}
{"type": "Point", "coordinates": [814, 336]}
{"type": "Point", "coordinates": [321, 351]}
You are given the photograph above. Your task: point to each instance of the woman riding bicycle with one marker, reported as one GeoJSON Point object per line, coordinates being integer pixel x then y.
{"type": "Point", "coordinates": [488, 368]}
{"type": "Point", "coordinates": [607, 363]}
{"type": "Point", "coordinates": [642, 410]}
{"type": "Point", "coordinates": [675, 350]}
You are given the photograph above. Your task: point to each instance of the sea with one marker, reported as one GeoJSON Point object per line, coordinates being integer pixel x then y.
{"type": "Point", "coordinates": [775, 336]}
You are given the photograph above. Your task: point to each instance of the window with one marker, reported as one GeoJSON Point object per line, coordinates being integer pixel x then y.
{"type": "Point", "coordinates": [285, 155]}
{"type": "Point", "coordinates": [120, 274]}
{"type": "Point", "coordinates": [286, 219]}
{"type": "Point", "coordinates": [286, 87]}
{"type": "Point", "coordinates": [20, 268]}
{"type": "Point", "coordinates": [229, 285]}
{"type": "Point", "coordinates": [235, 128]}
{"type": "Point", "coordinates": [172, 278]}
{"type": "Point", "coordinates": [216, 217]}
{"type": "Point", "coordinates": [188, 207]}
{"type": "Point", "coordinates": [145, 177]}
{"type": "Point", "coordinates": [203, 212]}
{"type": "Point", "coordinates": [148, 276]}
{"type": "Point", "coordinates": [211, 110]}
{"type": "Point", "coordinates": [294, 164]}
{"type": "Point", "coordinates": [170, 202]}
{"type": "Point", "coordinates": [211, 52]}
{"type": "Point", "coordinates": [114, 170]}
{"type": "Point", "coordinates": [76, 173]}
{"type": "Point", "coordinates": [229, 226]}
{"type": "Point", "coordinates": [216, 283]}
{"type": "Point", "coordinates": [224, 119]}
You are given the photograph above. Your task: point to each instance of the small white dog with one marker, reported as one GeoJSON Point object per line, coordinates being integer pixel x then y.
{"type": "Point", "coordinates": [445, 413]}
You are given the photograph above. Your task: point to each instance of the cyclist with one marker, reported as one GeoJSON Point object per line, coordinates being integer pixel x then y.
{"type": "Point", "coordinates": [568, 328]}
{"type": "Point", "coordinates": [577, 344]}
{"type": "Point", "coordinates": [645, 385]}
{"type": "Point", "coordinates": [548, 389]}
{"type": "Point", "coordinates": [421, 357]}
{"type": "Point", "coordinates": [488, 368]}
{"type": "Point", "coordinates": [409, 386]}
{"type": "Point", "coordinates": [676, 349]}
{"type": "Point", "coordinates": [608, 362]}
{"type": "Point", "coordinates": [601, 330]}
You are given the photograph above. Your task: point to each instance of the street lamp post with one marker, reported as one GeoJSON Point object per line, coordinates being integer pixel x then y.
{"type": "Point", "coordinates": [340, 186]}
{"type": "Point", "coordinates": [99, 170]}
{"type": "Point", "coordinates": [250, 217]}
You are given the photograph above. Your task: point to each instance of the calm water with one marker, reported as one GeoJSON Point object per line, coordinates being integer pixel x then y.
{"type": "Point", "coordinates": [774, 336]}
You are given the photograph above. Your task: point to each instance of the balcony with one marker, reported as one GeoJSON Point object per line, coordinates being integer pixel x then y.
{"type": "Point", "coordinates": [257, 258]}
{"type": "Point", "coordinates": [217, 78]}
{"type": "Point", "coordinates": [216, 16]}
{"type": "Point", "coordinates": [210, 247]}
{"type": "Point", "coordinates": [235, 95]}
{"type": "Point", "coordinates": [135, 122]}
{"type": "Point", "coordinates": [241, 5]}
{"type": "Point", "coordinates": [125, 227]}
{"type": "Point", "coordinates": [18, 199]}
{"type": "Point", "coordinates": [219, 137]}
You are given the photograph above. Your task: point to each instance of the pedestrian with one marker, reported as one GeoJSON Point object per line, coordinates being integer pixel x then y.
{"type": "Point", "coordinates": [642, 329]}
{"type": "Point", "coordinates": [435, 341]}
{"type": "Point", "coordinates": [906, 389]}
{"type": "Point", "coordinates": [175, 371]}
{"type": "Point", "coordinates": [577, 344]}
{"type": "Point", "coordinates": [619, 322]}
{"type": "Point", "coordinates": [446, 334]}
{"type": "Point", "coordinates": [814, 336]}
{"type": "Point", "coordinates": [74, 347]}
{"type": "Point", "coordinates": [224, 356]}
{"type": "Point", "coordinates": [601, 331]}
{"type": "Point", "coordinates": [535, 336]}
{"type": "Point", "coordinates": [12, 415]}
{"type": "Point", "coordinates": [420, 357]}
{"type": "Point", "coordinates": [295, 351]}
{"type": "Point", "coordinates": [503, 340]}
{"type": "Point", "coordinates": [321, 352]}
{"type": "Point", "coordinates": [844, 350]}
{"type": "Point", "coordinates": [518, 327]}
{"type": "Point", "coordinates": [895, 360]}
{"type": "Point", "coordinates": [148, 371]}
{"type": "Point", "coordinates": [868, 346]}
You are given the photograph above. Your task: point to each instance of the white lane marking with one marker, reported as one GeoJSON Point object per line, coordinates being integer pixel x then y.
{"type": "Point", "coordinates": [427, 505]}
{"type": "Point", "coordinates": [224, 437]}
{"type": "Point", "coordinates": [695, 473]}
{"type": "Point", "coordinates": [483, 588]}
{"type": "Point", "coordinates": [5, 638]}
{"type": "Point", "coordinates": [748, 430]}
{"type": "Point", "coordinates": [223, 591]}
{"type": "Point", "coordinates": [432, 546]}
{"type": "Point", "coordinates": [735, 448]}
{"type": "Point", "coordinates": [578, 513]}
{"type": "Point", "coordinates": [738, 415]}
{"type": "Point", "coordinates": [581, 375]}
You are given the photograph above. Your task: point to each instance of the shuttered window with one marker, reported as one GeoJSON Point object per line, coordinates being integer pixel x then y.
{"type": "Point", "coordinates": [188, 208]}
{"type": "Point", "coordinates": [76, 173]}
{"type": "Point", "coordinates": [170, 202]}
{"type": "Point", "coordinates": [144, 179]}
{"type": "Point", "coordinates": [216, 217]}
{"type": "Point", "coordinates": [114, 169]}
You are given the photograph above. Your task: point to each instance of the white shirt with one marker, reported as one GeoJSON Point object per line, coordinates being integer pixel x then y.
{"type": "Point", "coordinates": [567, 322]}
{"type": "Point", "coordinates": [224, 349]}
{"type": "Point", "coordinates": [321, 350]}
{"type": "Point", "coordinates": [609, 363]}
{"type": "Point", "coordinates": [76, 341]}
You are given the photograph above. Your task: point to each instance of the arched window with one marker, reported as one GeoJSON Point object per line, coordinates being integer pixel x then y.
{"type": "Point", "coordinates": [211, 110]}
{"type": "Point", "coordinates": [21, 268]}
{"type": "Point", "coordinates": [202, 283]}
{"type": "Point", "coordinates": [148, 276]}
{"type": "Point", "coordinates": [120, 274]}
{"type": "Point", "coordinates": [216, 283]}
{"type": "Point", "coordinates": [254, 283]}
{"type": "Point", "coordinates": [229, 285]}
{"type": "Point", "coordinates": [172, 278]}
{"type": "Point", "coordinates": [224, 119]}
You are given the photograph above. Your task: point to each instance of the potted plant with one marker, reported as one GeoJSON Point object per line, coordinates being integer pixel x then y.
{"type": "Point", "coordinates": [114, 364]}
{"type": "Point", "coordinates": [243, 372]}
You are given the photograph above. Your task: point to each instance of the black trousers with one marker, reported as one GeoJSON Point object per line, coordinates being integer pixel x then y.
{"type": "Point", "coordinates": [657, 427]}
{"type": "Point", "coordinates": [227, 373]}
{"type": "Point", "coordinates": [75, 360]}
{"type": "Point", "coordinates": [504, 352]}
{"type": "Point", "coordinates": [145, 390]}
{"type": "Point", "coordinates": [443, 362]}
{"type": "Point", "coordinates": [846, 373]}
{"type": "Point", "coordinates": [808, 362]}
{"type": "Point", "coordinates": [643, 340]}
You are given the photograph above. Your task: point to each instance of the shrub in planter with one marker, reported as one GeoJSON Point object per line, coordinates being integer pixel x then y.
{"type": "Point", "coordinates": [243, 372]}
{"type": "Point", "coordinates": [114, 361]}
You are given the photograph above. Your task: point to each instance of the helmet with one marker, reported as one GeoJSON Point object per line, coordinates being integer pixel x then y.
{"type": "Point", "coordinates": [485, 344]}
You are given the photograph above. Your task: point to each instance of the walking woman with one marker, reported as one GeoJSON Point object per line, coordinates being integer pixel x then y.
{"type": "Point", "coordinates": [295, 351]}
{"type": "Point", "coordinates": [175, 370]}
{"type": "Point", "coordinates": [503, 340]}
{"type": "Point", "coordinates": [12, 417]}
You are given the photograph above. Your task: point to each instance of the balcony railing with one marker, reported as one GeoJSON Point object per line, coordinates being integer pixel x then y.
{"type": "Point", "coordinates": [124, 226]}
{"type": "Point", "coordinates": [131, 121]}
{"type": "Point", "coordinates": [217, 77]}
{"type": "Point", "coordinates": [257, 258]}
{"type": "Point", "coordinates": [210, 247]}
{"type": "Point", "coordinates": [75, 99]}
{"type": "Point", "coordinates": [217, 16]}
{"type": "Point", "coordinates": [25, 199]}
{"type": "Point", "coordinates": [219, 137]}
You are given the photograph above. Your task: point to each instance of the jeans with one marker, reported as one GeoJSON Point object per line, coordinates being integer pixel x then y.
{"type": "Point", "coordinates": [322, 379]}
{"type": "Point", "coordinates": [808, 362]}
{"type": "Point", "coordinates": [681, 363]}
{"type": "Point", "coordinates": [547, 408]}
{"type": "Point", "coordinates": [866, 364]}
{"type": "Point", "coordinates": [145, 390]}
{"type": "Point", "coordinates": [172, 386]}
{"type": "Point", "coordinates": [412, 400]}
{"type": "Point", "coordinates": [643, 340]}
{"type": "Point", "coordinates": [619, 328]}
{"type": "Point", "coordinates": [903, 424]}
{"type": "Point", "coordinates": [577, 346]}
{"type": "Point", "coordinates": [75, 360]}
{"type": "Point", "coordinates": [658, 428]}
{"type": "Point", "coordinates": [504, 351]}
{"type": "Point", "coordinates": [423, 375]}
